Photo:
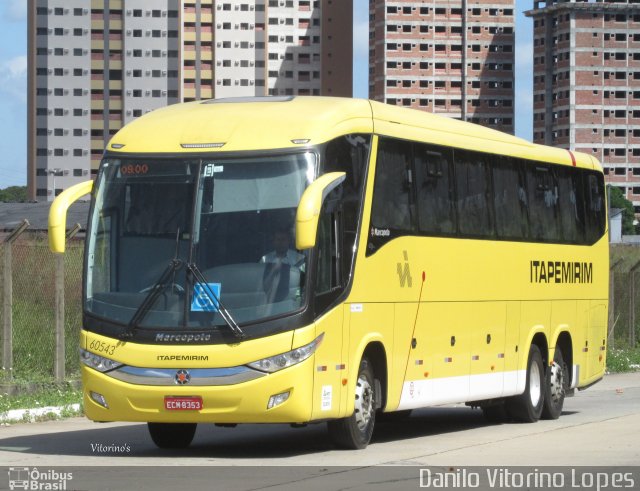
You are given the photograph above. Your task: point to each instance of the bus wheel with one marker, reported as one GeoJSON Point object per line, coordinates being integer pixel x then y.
{"type": "Point", "coordinates": [555, 387]}
{"type": "Point", "coordinates": [172, 435]}
{"type": "Point", "coordinates": [527, 407]}
{"type": "Point", "coordinates": [354, 432]}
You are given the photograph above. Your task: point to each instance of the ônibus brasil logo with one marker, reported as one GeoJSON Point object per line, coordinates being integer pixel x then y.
{"type": "Point", "coordinates": [26, 478]}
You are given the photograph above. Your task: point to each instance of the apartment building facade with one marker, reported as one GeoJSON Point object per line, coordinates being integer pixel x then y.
{"type": "Point", "coordinates": [96, 65]}
{"type": "Point", "coordinates": [445, 56]}
{"type": "Point", "coordinates": [587, 83]}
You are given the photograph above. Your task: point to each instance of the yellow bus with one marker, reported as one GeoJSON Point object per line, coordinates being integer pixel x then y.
{"type": "Point", "coordinates": [307, 259]}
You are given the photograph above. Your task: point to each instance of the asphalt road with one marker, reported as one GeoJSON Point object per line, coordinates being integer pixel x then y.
{"type": "Point", "coordinates": [598, 427]}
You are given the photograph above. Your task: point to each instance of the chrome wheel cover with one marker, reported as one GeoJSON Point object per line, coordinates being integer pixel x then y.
{"type": "Point", "coordinates": [364, 403]}
{"type": "Point", "coordinates": [556, 383]}
{"type": "Point", "coordinates": [535, 384]}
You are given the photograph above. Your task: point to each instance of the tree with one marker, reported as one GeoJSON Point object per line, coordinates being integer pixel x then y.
{"type": "Point", "coordinates": [13, 194]}
{"type": "Point", "coordinates": [618, 200]}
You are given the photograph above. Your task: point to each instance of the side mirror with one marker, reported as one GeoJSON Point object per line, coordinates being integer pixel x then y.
{"type": "Point", "coordinates": [309, 208]}
{"type": "Point", "coordinates": [58, 214]}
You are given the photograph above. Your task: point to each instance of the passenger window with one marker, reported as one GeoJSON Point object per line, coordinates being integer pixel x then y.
{"type": "Point", "coordinates": [510, 200]}
{"type": "Point", "coordinates": [391, 209]}
{"type": "Point", "coordinates": [542, 193]}
{"type": "Point", "coordinates": [571, 206]}
{"type": "Point", "coordinates": [595, 207]}
{"type": "Point", "coordinates": [436, 214]}
{"type": "Point", "coordinates": [472, 191]}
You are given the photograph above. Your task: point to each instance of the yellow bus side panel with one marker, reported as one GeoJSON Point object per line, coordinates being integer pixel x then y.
{"type": "Point", "coordinates": [475, 291]}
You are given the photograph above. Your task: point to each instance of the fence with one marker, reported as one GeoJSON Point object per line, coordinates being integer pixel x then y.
{"type": "Point", "coordinates": [40, 308]}
{"type": "Point", "coordinates": [624, 296]}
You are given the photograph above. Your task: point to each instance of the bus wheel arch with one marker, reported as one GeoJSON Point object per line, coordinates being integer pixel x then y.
{"type": "Point", "coordinates": [370, 387]}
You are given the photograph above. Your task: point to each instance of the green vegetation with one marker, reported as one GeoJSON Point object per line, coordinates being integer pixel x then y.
{"type": "Point", "coordinates": [623, 360]}
{"type": "Point", "coordinates": [13, 194]}
{"type": "Point", "coordinates": [43, 396]}
{"type": "Point", "coordinates": [34, 310]}
{"type": "Point", "coordinates": [628, 215]}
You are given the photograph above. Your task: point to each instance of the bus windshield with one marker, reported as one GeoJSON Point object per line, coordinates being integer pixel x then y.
{"type": "Point", "coordinates": [177, 244]}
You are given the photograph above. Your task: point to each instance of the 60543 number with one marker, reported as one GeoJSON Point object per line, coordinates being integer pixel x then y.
{"type": "Point", "coordinates": [102, 347]}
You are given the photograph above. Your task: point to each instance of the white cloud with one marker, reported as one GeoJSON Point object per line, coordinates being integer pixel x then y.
{"type": "Point", "coordinates": [13, 78]}
{"type": "Point", "coordinates": [15, 10]}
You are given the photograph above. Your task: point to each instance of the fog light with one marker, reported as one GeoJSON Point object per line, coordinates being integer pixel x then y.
{"type": "Point", "coordinates": [277, 399]}
{"type": "Point", "coordinates": [99, 398]}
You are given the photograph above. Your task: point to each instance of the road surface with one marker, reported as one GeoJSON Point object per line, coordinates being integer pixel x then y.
{"type": "Point", "coordinates": [598, 427]}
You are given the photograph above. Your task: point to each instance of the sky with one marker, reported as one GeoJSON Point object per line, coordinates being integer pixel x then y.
{"type": "Point", "coordinates": [13, 80]}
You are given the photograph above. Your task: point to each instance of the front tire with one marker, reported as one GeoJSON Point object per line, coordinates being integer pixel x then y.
{"type": "Point", "coordinates": [527, 407]}
{"type": "Point", "coordinates": [556, 384]}
{"type": "Point", "coordinates": [172, 435]}
{"type": "Point", "coordinates": [354, 432]}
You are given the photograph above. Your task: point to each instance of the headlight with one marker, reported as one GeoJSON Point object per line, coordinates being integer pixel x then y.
{"type": "Point", "coordinates": [284, 360]}
{"type": "Point", "coordinates": [98, 362]}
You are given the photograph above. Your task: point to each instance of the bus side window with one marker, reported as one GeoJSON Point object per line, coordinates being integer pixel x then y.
{"type": "Point", "coordinates": [348, 154]}
{"type": "Point", "coordinates": [436, 214]}
{"type": "Point", "coordinates": [543, 204]}
{"type": "Point", "coordinates": [472, 191]}
{"type": "Point", "coordinates": [510, 199]}
{"type": "Point", "coordinates": [571, 205]}
{"type": "Point", "coordinates": [392, 204]}
{"type": "Point", "coordinates": [595, 207]}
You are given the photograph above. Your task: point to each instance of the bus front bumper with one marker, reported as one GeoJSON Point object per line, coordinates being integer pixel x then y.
{"type": "Point", "coordinates": [243, 402]}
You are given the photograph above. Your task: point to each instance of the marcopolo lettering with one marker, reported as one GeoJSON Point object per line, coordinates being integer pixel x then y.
{"type": "Point", "coordinates": [560, 272]}
{"type": "Point", "coordinates": [377, 232]}
{"type": "Point", "coordinates": [182, 338]}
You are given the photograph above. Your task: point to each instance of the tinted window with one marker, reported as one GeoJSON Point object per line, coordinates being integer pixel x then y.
{"type": "Point", "coordinates": [571, 202]}
{"type": "Point", "coordinates": [391, 208]}
{"type": "Point", "coordinates": [595, 208]}
{"type": "Point", "coordinates": [434, 184]}
{"type": "Point", "coordinates": [542, 192]}
{"type": "Point", "coordinates": [347, 154]}
{"type": "Point", "coordinates": [509, 200]}
{"type": "Point", "coordinates": [472, 191]}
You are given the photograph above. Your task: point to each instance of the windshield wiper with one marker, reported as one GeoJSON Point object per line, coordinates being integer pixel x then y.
{"type": "Point", "coordinates": [224, 313]}
{"type": "Point", "coordinates": [154, 292]}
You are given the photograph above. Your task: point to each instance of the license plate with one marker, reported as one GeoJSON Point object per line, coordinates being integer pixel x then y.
{"type": "Point", "coordinates": [183, 403]}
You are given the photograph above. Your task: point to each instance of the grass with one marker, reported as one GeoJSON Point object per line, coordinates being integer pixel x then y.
{"type": "Point", "coordinates": [623, 360]}
{"type": "Point", "coordinates": [43, 396]}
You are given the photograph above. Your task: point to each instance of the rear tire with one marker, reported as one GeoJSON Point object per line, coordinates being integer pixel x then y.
{"type": "Point", "coordinates": [527, 407]}
{"type": "Point", "coordinates": [556, 384]}
{"type": "Point", "coordinates": [172, 435]}
{"type": "Point", "coordinates": [354, 432]}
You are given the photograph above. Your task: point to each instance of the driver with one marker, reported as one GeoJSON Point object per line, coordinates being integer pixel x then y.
{"type": "Point", "coordinates": [279, 265]}
{"type": "Point", "coordinates": [282, 253]}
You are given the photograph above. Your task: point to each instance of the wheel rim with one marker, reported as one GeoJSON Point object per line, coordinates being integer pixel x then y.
{"type": "Point", "coordinates": [364, 403]}
{"type": "Point", "coordinates": [535, 384]}
{"type": "Point", "coordinates": [556, 383]}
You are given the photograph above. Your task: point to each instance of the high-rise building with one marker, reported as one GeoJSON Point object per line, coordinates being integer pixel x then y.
{"type": "Point", "coordinates": [586, 82]}
{"type": "Point", "coordinates": [96, 65]}
{"type": "Point", "coordinates": [445, 56]}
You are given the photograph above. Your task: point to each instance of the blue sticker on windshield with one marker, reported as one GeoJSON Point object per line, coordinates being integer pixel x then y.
{"type": "Point", "coordinates": [203, 300]}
